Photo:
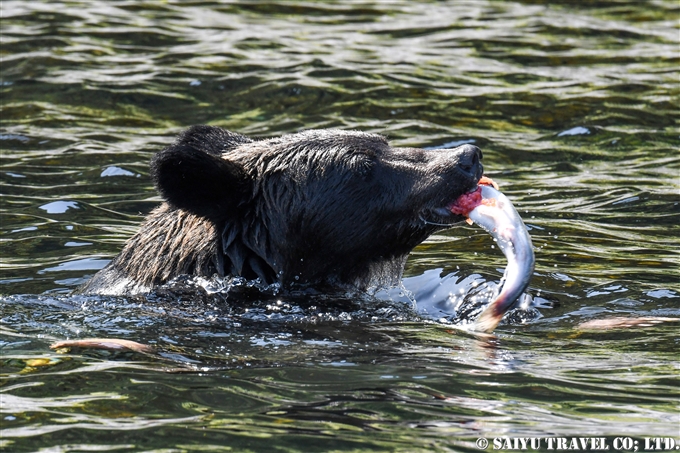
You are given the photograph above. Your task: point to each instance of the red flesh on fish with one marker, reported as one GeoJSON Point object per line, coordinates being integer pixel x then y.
{"type": "Point", "coordinates": [469, 201]}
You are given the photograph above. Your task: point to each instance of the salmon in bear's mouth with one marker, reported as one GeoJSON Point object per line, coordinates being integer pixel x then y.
{"type": "Point", "coordinates": [490, 209]}
{"type": "Point", "coordinates": [468, 201]}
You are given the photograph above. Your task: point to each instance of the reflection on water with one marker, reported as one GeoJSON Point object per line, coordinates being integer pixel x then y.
{"type": "Point", "coordinates": [575, 107]}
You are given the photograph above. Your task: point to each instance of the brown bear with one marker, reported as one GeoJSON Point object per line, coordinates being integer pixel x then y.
{"type": "Point", "coordinates": [320, 208]}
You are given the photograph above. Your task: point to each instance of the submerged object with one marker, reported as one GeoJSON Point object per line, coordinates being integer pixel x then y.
{"type": "Point", "coordinates": [622, 322]}
{"type": "Point", "coordinates": [491, 210]}
{"type": "Point", "coordinates": [110, 344]}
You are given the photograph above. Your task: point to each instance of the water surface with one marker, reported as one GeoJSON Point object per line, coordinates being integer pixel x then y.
{"type": "Point", "coordinates": [575, 106]}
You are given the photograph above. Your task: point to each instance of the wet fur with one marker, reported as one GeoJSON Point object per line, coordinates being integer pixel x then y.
{"type": "Point", "coordinates": [322, 208]}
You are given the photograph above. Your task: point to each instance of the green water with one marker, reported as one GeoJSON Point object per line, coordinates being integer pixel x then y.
{"type": "Point", "coordinates": [575, 105]}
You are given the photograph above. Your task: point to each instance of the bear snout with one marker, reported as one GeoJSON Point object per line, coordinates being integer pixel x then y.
{"type": "Point", "coordinates": [470, 160]}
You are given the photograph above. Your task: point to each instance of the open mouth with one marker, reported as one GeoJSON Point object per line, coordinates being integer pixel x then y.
{"type": "Point", "coordinates": [470, 200]}
{"type": "Point", "coordinates": [457, 210]}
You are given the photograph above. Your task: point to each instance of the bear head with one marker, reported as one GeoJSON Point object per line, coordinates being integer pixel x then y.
{"type": "Point", "coordinates": [317, 207]}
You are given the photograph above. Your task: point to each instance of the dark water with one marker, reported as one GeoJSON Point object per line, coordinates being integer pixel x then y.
{"type": "Point", "coordinates": [575, 105]}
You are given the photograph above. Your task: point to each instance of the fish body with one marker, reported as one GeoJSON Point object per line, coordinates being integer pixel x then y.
{"type": "Point", "coordinates": [496, 214]}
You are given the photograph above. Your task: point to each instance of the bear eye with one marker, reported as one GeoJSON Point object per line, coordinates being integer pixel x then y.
{"type": "Point", "coordinates": [362, 164]}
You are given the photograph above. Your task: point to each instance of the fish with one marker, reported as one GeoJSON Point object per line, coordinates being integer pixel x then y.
{"type": "Point", "coordinates": [621, 322]}
{"type": "Point", "coordinates": [490, 209]}
{"type": "Point", "coordinates": [111, 344]}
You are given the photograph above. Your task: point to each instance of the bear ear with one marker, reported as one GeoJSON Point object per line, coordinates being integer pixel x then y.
{"type": "Point", "coordinates": [198, 182]}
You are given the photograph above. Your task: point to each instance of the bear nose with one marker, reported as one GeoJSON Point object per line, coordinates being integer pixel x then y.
{"type": "Point", "coordinates": [470, 160]}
